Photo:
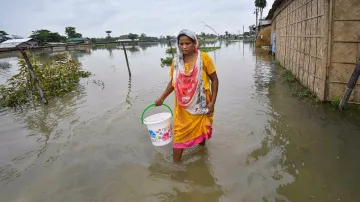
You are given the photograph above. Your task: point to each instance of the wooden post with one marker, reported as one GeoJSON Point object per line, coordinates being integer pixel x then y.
{"type": "Point", "coordinates": [352, 82]}
{"type": "Point", "coordinates": [33, 77]}
{"type": "Point", "coordinates": [127, 61]}
{"type": "Point", "coordinates": [328, 24]}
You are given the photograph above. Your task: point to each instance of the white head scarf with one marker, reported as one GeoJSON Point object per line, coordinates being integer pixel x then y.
{"type": "Point", "coordinates": [197, 103]}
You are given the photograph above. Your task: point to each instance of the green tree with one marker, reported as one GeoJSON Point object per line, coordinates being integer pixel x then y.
{"type": "Point", "coordinates": [63, 39]}
{"type": "Point", "coordinates": [133, 36]}
{"type": "Point", "coordinates": [226, 34]}
{"type": "Point", "coordinates": [203, 35]}
{"type": "Point", "coordinates": [3, 36]}
{"type": "Point", "coordinates": [71, 32]}
{"type": "Point", "coordinates": [93, 40]}
{"type": "Point", "coordinates": [44, 36]}
{"type": "Point", "coordinates": [143, 36]}
{"type": "Point", "coordinates": [124, 37]}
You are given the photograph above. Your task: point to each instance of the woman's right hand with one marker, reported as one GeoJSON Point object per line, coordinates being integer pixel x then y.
{"type": "Point", "coordinates": [159, 101]}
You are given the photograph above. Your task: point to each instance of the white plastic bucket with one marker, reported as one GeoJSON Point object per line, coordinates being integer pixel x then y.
{"type": "Point", "coordinates": [159, 127]}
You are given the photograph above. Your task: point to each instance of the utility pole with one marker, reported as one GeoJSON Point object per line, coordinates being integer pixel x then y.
{"type": "Point", "coordinates": [256, 24]}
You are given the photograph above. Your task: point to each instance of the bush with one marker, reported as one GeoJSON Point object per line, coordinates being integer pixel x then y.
{"type": "Point", "coordinates": [171, 50]}
{"type": "Point", "coordinates": [209, 49]}
{"type": "Point", "coordinates": [288, 76]}
{"type": "Point", "coordinates": [166, 62]}
{"type": "Point", "coordinates": [59, 76]}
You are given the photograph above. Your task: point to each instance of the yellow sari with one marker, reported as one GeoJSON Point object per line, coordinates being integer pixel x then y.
{"type": "Point", "coordinates": [189, 129]}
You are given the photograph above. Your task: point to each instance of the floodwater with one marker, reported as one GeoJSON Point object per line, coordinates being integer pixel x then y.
{"type": "Point", "coordinates": [90, 145]}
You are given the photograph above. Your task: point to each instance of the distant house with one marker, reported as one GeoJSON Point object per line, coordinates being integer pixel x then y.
{"type": "Point", "coordinates": [27, 43]}
{"type": "Point", "coordinates": [75, 41]}
{"type": "Point", "coordinates": [54, 44]}
{"type": "Point", "coordinates": [126, 40]}
{"type": "Point", "coordinates": [264, 23]}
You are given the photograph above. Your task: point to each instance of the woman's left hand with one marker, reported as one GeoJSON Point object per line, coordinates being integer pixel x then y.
{"type": "Point", "coordinates": [210, 106]}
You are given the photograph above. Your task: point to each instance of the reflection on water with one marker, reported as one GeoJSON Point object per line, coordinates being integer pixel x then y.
{"type": "Point", "coordinates": [133, 50]}
{"type": "Point", "coordinates": [192, 181]}
{"type": "Point", "coordinates": [42, 124]}
{"type": "Point", "coordinates": [145, 46]}
{"type": "Point", "coordinates": [128, 99]}
{"type": "Point", "coordinates": [268, 145]}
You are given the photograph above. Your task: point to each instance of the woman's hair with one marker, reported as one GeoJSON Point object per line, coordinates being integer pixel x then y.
{"type": "Point", "coordinates": [180, 35]}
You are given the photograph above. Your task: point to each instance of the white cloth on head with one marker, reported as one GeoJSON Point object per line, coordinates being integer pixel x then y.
{"type": "Point", "coordinates": [197, 103]}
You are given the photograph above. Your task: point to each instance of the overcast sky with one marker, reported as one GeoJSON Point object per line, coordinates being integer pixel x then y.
{"type": "Point", "coordinates": [154, 18]}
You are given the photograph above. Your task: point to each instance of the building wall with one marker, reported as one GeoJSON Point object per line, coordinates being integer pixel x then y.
{"type": "Point", "coordinates": [87, 42]}
{"type": "Point", "coordinates": [345, 41]}
{"type": "Point", "coordinates": [32, 43]}
{"type": "Point", "coordinates": [319, 42]}
{"type": "Point", "coordinates": [29, 44]}
{"type": "Point", "coordinates": [25, 45]}
{"type": "Point", "coordinates": [59, 48]}
{"type": "Point", "coordinates": [300, 41]}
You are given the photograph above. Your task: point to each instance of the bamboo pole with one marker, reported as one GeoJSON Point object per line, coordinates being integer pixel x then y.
{"type": "Point", "coordinates": [33, 77]}
{"type": "Point", "coordinates": [352, 82]}
{"type": "Point", "coordinates": [328, 45]}
{"type": "Point", "coordinates": [126, 57]}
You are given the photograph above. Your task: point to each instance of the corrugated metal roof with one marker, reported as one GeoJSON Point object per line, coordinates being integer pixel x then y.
{"type": "Point", "coordinates": [54, 43]}
{"type": "Point", "coordinates": [125, 40]}
{"type": "Point", "coordinates": [9, 45]}
{"type": "Point", "coordinates": [78, 39]}
{"type": "Point", "coordinates": [17, 40]}
{"type": "Point", "coordinates": [264, 22]}
{"type": "Point", "coordinates": [12, 43]}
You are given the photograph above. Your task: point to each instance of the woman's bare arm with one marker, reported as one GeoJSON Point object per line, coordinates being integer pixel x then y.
{"type": "Point", "coordinates": [214, 87]}
{"type": "Point", "coordinates": [214, 90]}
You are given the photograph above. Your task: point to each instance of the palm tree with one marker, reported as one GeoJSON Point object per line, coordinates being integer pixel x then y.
{"type": "Point", "coordinates": [261, 4]}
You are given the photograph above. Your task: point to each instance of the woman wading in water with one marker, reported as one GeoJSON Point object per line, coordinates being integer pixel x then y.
{"type": "Point", "coordinates": [195, 96]}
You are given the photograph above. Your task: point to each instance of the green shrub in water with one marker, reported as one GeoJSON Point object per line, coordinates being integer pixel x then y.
{"type": "Point", "coordinates": [59, 76]}
{"type": "Point", "coordinates": [171, 50]}
{"type": "Point", "coordinates": [209, 49]}
{"type": "Point", "coordinates": [335, 101]}
{"type": "Point", "coordinates": [278, 64]}
{"type": "Point", "coordinates": [288, 76]}
{"type": "Point", "coordinates": [306, 93]}
{"type": "Point", "coordinates": [166, 62]}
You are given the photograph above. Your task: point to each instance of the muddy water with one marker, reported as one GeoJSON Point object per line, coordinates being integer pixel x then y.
{"type": "Point", "coordinates": [267, 144]}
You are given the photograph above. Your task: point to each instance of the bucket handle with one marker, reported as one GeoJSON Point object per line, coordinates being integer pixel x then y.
{"type": "Point", "coordinates": [142, 116]}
